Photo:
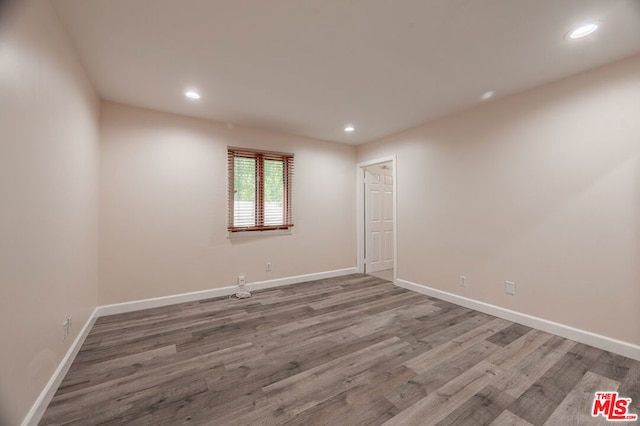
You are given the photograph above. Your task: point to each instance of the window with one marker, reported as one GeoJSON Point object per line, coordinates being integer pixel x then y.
{"type": "Point", "coordinates": [259, 190]}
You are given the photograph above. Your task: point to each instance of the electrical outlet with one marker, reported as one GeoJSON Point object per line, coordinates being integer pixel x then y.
{"type": "Point", "coordinates": [510, 287]}
{"type": "Point", "coordinates": [242, 283]}
{"type": "Point", "coordinates": [268, 266]}
{"type": "Point", "coordinates": [69, 323]}
{"type": "Point", "coordinates": [65, 329]}
{"type": "Point", "coordinates": [463, 281]}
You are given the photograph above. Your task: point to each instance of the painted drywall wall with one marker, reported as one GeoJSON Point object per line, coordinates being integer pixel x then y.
{"type": "Point", "coordinates": [48, 194]}
{"type": "Point", "coordinates": [541, 188]}
{"type": "Point", "coordinates": [163, 204]}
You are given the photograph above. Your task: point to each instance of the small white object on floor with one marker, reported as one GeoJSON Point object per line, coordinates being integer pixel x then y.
{"type": "Point", "coordinates": [243, 295]}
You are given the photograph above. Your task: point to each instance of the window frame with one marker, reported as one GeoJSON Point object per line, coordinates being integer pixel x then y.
{"type": "Point", "coordinates": [287, 208]}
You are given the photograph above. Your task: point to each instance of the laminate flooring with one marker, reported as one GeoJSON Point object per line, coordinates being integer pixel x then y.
{"type": "Point", "coordinates": [342, 351]}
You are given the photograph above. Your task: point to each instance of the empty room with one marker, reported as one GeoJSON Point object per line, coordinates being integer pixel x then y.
{"type": "Point", "coordinates": [319, 212]}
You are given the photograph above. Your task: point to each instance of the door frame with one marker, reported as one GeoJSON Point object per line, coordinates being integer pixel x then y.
{"type": "Point", "coordinates": [360, 211]}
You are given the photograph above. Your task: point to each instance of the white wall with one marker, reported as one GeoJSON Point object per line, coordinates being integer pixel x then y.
{"type": "Point", "coordinates": [163, 204]}
{"type": "Point", "coordinates": [48, 201]}
{"type": "Point", "coordinates": [541, 188]}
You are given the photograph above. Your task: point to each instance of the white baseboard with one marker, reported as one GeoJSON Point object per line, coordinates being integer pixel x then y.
{"type": "Point", "coordinates": [156, 302]}
{"type": "Point", "coordinates": [38, 408]}
{"type": "Point", "coordinates": [261, 285]}
{"type": "Point", "coordinates": [588, 338]}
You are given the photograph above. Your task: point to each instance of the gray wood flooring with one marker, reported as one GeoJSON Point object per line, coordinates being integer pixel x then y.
{"type": "Point", "coordinates": [344, 351]}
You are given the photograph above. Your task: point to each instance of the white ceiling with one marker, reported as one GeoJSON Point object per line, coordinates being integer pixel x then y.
{"type": "Point", "coordinates": [309, 67]}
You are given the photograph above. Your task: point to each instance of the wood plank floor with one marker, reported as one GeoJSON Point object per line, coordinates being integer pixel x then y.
{"type": "Point", "coordinates": [344, 351]}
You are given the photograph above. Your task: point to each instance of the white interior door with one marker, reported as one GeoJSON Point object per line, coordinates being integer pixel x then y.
{"type": "Point", "coordinates": [379, 217]}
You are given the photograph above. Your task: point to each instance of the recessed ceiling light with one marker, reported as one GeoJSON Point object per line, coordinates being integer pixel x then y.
{"type": "Point", "coordinates": [583, 30]}
{"type": "Point", "coordinates": [487, 95]}
{"type": "Point", "coordinates": [349, 129]}
{"type": "Point", "coordinates": [192, 94]}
